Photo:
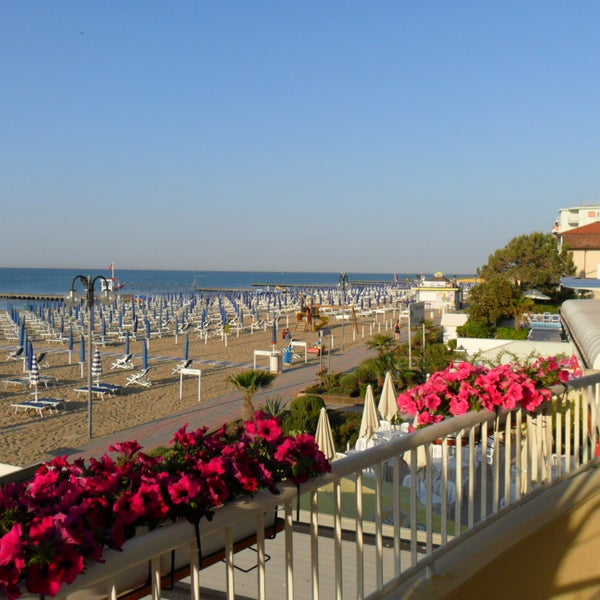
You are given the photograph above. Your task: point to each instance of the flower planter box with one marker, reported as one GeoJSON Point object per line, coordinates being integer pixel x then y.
{"type": "Point", "coordinates": [130, 568]}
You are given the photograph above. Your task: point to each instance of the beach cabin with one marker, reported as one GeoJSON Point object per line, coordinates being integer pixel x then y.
{"type": "Point", "coordinates": [438, 293]}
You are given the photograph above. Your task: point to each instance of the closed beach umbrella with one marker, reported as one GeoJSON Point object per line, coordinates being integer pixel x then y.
{"type": "Point", "coordinates": [388, 407]}
{"type": "Point", "coordinates": [145, 354]}
{"type": "Point", "coordinates": [274, 333]}
{"type": "Point", "coordinates": [324, 437]}
{"type": "Point", "coordinates": [127, 342]}
{"type": "Point", "coordinates": [29, 355]}
{"type": "Point", "coordinates": [70, 346]}
{"type": "Point", "coordinates": [22, 333]}
{"type": "Point", "coordinates": [186, 347]}
{"type": "Point", "coordinates": [369, 423]}
{"type": "Point", "coordinates": [82, 351]}
{"type": "Point", "coordinates": [34, 375]}
{"type": "Point", "coordinates": [97, 365]}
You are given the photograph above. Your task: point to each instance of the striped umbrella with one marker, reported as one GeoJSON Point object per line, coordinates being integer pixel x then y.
{"type": "Point", "coordinates": [97, 366]}
{"type": "Point", "coordinates": [34, 375]}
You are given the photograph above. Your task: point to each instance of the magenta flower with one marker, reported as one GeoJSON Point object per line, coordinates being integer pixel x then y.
{"type": "Point", "coordinates": [65, 517]}
{"type": "Point", "coordinates": [463, 387]}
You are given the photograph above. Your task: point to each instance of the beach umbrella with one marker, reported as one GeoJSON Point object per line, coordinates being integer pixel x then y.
{"type": "Point", "coordinates": [97, 366]}
{"type": "Point", "coordinates": [388, 407]}
{"type": "Point", "coordinates": [186, 347]}
{"type": "Point", "coordinates": [369, 423]}
{"type": "Point", "coordinates": [324, 437]}
{"type": "Point", "coordinates": [127, 342]}
{"type": "Point", "coordinates": [536, 295]}
{"type": "Point", "coordinates": [82, 351]}
{"type": "Point", "coordinates": [70, 343]}
{"type": "Point", "coordinates": [22, 334]}
{"type": "Point", "coordinates": [30, 355]}
{"type": "Point", "coordinates": [145, 354]}
{"type": "Point", "coordinates": [34, 376]}
{"type": "Point", "coordinates": [274, 333]}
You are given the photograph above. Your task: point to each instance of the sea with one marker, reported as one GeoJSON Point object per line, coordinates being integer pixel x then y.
{"type": "Point", "coordinates": [58, 281]}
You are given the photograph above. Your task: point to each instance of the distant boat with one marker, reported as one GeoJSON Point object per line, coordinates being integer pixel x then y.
{"type": "Point", "coordinates": [112, 283]}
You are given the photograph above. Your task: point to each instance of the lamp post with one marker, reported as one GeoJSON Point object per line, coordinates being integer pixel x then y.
{"type": "Point", "coordinates": [73, 297]}
{"type": "Point", "coordinates": [343, 286]}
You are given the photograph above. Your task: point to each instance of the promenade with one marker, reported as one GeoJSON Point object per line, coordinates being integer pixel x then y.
{"type": "Point", "coordinates": [225, 408]}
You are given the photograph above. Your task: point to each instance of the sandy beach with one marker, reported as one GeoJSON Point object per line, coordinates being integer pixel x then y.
{"type": "Point", "coordinates": [25, 438]}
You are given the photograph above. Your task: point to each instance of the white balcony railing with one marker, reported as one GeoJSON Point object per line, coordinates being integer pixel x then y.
{"type": "Point", "coordinates": [380, 518]}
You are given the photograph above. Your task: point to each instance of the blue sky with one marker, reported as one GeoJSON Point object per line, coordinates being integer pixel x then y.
{"type": "Point", "coordinates": [295, 136]}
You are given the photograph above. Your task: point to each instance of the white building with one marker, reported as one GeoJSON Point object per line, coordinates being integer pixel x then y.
{"type": "Point", "coordinates": [450, 322]}
{"type": "Point", "coordinates": [577, 216]}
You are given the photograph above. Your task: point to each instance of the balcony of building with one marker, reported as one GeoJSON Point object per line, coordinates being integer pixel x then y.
{"type": "Point", "coordinates": [476, 502]}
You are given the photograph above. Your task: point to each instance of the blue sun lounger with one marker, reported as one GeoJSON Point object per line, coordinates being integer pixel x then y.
{"type": "Point", "coordinates": [40, 405]}
{"type": "Point", "coordinates": [100, 389]}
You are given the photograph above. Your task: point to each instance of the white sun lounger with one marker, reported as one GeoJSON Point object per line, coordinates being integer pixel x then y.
{"type": "Point", "coordinates": [16, 354]}
{"type": "Point", "coordinates": [140, 378]}
{"type": "Point", "coordinates": [123, 363]}
{"type": "Point", "coordinates": [40, 405]}
{"type": "Point", "coordinates": [186, 364]}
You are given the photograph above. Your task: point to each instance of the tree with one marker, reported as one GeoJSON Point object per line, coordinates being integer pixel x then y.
{"type": "Point", "coordinates": [530, 261]}
{"type": "Point", "coordinates": [493, 300]}
{"type": "Point", "coordinates": [249, 382]}
{"type": "Point", "coordinates": [382, 343]}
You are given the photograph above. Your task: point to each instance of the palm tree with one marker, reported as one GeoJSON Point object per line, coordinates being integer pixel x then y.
{"type": "Point", "coordinates": [249, 382]}
{"type": "Point", "coordinates": [382, 343]}
{"type": "Point", "coordinates": [521, 307]}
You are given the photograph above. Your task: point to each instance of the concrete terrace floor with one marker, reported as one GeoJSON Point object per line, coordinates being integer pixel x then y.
{"type": "Point", "coordinates": [215, 412]}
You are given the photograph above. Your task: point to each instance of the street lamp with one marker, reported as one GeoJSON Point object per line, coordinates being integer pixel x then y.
{"type": "Point", "coordinates": [73, 297]}
{"type": "Point", "coordinates": [343, 286]}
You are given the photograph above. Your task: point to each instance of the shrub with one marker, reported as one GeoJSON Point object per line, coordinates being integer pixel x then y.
{"type": "Point", "coordinates": [349, 385]}
{"type": "Point", "coordinates": [345, 426]}
{"type": "Point", "coordinates": [304, 414]}
{"type": "Point", "coordinates": [510, 333]}
{"type": "Point", "coordinates": [475, 329]}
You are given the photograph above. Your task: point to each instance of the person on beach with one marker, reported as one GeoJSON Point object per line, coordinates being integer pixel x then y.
{"type": "Point", "coordinates": [397, 331]}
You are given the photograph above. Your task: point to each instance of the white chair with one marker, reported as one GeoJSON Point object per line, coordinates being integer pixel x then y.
{"type": "Point", "coordinates": [186, 364]}
{"type": "Point", "coordinates": [140, 378]}
{"type": "Point", "coordinates": [421, 491]}
{"type": "Point", "coordinates": [123, 363]}
{"type": "Point", "coordinates": [42, 360]}
{"type": "Point", "coordinates": [438, 491]}
{"type": "Point", "coordinates": [16, 354]}
{"type": "Point", "coordinates": [384, 425]}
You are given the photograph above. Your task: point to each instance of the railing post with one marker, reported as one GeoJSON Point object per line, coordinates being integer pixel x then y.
{"type": "Point", "coordinates": [314, 542]}
{"type": "Point", "coordinates": [337, 538]}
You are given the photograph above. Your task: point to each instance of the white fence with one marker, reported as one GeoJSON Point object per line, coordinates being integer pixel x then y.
{"type": "Point", "coordinates": [380, 518]}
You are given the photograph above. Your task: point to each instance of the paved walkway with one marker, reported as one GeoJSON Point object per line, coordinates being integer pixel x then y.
{"type": "Point", "coordinates": [213, 413]}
